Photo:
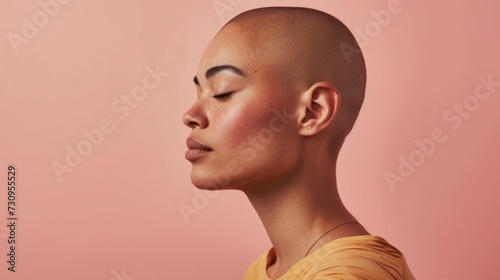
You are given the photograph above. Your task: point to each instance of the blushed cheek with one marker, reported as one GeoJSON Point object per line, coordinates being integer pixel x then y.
{"type": "Point", "coordinates": [237, 124]}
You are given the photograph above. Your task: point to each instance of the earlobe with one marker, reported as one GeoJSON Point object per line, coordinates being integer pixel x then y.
{"type": "Point", "coordinates": [319, 106]}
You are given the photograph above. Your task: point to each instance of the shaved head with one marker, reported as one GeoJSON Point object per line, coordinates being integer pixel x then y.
{"type": "Point", "coordinates": [274, 80]}
{"type": "Point", "coordinates": [308, 46]}
{"type": "Point", "coordinates": [300, 59]}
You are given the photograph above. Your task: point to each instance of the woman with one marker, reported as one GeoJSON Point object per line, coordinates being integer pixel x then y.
{"type": "Point", "coordinates": [279, 89]}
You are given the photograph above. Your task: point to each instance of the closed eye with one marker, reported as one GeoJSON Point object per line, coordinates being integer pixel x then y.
{"type": "Point", "coordinates": [223, 95]}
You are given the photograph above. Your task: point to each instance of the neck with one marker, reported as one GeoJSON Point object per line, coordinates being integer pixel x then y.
{"type": "Point", "coordinates": [296, 212]}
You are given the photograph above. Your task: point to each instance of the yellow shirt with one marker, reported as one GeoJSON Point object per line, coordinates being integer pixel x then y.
{"type": "Point", "coordinates": [356, 257]}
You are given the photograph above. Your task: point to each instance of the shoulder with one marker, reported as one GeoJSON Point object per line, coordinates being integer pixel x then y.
{"type": "Point", "coordinates": [357, 257]}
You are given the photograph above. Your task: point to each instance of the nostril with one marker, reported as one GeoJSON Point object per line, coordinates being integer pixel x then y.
{"type": "Point", "coordinates": [195, 116]}
{"type": "Point", "coordinates": [189, 120]}
{"type": "Point", "coordinates": [192, 124]}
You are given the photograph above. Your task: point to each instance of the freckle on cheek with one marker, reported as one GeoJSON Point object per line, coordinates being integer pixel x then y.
{"type": "Point", "coordinates": [217, 114]}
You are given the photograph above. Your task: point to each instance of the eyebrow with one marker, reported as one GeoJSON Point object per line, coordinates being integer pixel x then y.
{"type": "Point", "coordinates": [216, 69]}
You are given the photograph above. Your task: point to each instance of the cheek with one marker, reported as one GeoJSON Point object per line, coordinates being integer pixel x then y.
{"type": "Point", "coordinates": [236, 124]}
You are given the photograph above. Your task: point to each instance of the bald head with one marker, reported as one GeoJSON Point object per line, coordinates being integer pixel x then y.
{"type": "Point", "coordinates": [308, 46]}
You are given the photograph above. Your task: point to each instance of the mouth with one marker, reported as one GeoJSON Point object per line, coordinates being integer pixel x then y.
{"type": "Point", "coordinates": [195, 149]}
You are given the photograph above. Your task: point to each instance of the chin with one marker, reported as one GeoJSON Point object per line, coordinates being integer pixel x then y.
{"type": "Point", "coordinates": [205, 178]}
{"type": "Point", "coordinates": [210, 182]}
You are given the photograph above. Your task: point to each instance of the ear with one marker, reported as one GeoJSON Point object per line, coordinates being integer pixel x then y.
{"type": "Point", "coordinates": [318, 107]}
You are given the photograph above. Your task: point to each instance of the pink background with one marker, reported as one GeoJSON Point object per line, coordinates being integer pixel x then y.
{"type": "Point", "coordinates": [117, 213]}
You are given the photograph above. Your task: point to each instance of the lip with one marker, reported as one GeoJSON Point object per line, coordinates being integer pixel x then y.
{"type": "Point", "coordinates": [195, 149]}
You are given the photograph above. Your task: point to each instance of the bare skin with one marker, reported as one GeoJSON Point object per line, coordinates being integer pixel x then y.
{"type": "Point", "coordinates": [287, 60]}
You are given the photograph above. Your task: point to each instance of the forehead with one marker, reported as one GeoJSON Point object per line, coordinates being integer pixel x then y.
{"type": "Point", "coordinates": [230, 46]}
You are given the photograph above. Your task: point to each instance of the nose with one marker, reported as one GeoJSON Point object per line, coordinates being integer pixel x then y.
{"type": "Point", "coordinates": [195, 116]}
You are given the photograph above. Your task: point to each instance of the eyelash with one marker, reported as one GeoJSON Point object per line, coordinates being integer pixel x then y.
{"type": "Point", "coordinates": [223, 95]}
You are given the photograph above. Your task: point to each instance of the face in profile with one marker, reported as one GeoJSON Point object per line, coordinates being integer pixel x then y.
{"type": "Point", "coordinates": [243, 127]}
